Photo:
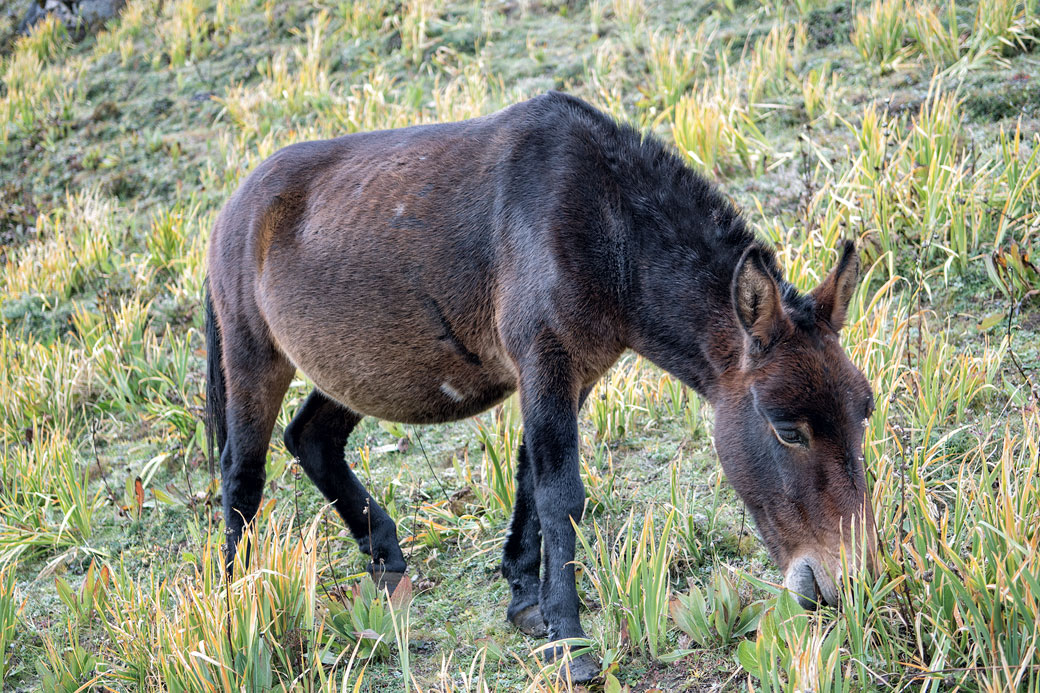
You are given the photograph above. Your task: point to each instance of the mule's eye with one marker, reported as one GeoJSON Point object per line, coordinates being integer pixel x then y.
{"type": "Point", "coordinates": [791, 436]}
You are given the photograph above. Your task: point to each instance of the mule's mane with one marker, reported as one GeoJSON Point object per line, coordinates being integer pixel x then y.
{"type": "Point", "coordinates": [669, 198]}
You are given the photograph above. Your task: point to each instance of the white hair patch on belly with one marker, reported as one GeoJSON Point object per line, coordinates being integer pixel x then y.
{"type": "Point", "coordinates": [451, 392]}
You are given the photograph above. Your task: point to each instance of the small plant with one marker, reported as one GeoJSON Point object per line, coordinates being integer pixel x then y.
{"type": "Point", "coordinates": [715, 617]}
{"type": "Point", "coordinates": [716, 131]}
{"type": "Point", "coordinates": [167, 238]}
{"type": "Point", "coordinates": [1015, 271]}
{"type": "Point", "coordinates": [821, 93]}
{"type": "Point", "coordinates": [674, 61]}
{"type": "Point", "coordinates": [366, 619]}
{"type": "Point", "coordinates": [600, 480]}
{"type": "Point", "coordinates": [794, 652]}
{"type": "Point", "coordinates": [948, 382]}
{"type": "Point", "coordinates": [1003, 27]}
{"type": "Point", "coordinates": [47, 40]}
{"type": "Point", "coordinates": [774, 62]}
{"type": "Point", "coordinates": [81, 604]}
{"type": "Point", "coordinates": [68, 668]}
{"type": "Point", "coordinates": [630, 14]}
{"type": "Point", "coordinates": [401, 617]}
{"type": "Point", "coordinates": [695, 529]}
{"type": "Point", "coordinates": [936, 33]}
{"type": "Point", "coordinates": [49, 505]}
{"type": "Point", "coordinates": [613, 404]}
{"type": "Point", "coordinates": [1019, 186]}
{"type": "Point", "coordinates": [362, 18]}
{"type": "Point", "coordinates": [413, 26]}
{"type": "Point", "coordinates": [501, 444]}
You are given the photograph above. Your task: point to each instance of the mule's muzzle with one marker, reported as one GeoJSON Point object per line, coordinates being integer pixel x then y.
{"type": "Point", "coordinates": [809, 582]}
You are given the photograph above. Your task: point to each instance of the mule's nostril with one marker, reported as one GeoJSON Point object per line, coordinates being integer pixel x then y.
{"type": "Point", "coordinates": [810, 584]}
{"type": "Point", "coordinates": [802, 584]}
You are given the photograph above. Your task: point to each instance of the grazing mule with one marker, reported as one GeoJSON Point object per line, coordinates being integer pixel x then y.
{"type": "Point", "coordinates": [422, 275]}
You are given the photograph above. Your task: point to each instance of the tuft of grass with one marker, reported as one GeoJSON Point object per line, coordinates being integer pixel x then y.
{"type": "Point", "coordinates": [716, 131]}
{"type": "Point", "coordinates": [10, 607]}
{"type": "Point", "coordinates": [880, 33]}
{"type": "Point", "coordinates": [674, 61]}
{"type": "Point", "coordinates": [629, 574]}
{"type": "Point", "coordinates": [774, 62]}
{"type": "Point", "coordinates": [937, 33]}
{"type": "Point", "coordinates": [366, 620]}
{"type": "Point", "coordinates": [821, 92]}
{"type": "Point", "coordinates": [47, 40]}
{"type": "Point", "coordinates": [795, 652]}
{"type": "Point", "coordinates": [714, 616]}
{"type": "Point", "coordinates": [49, 509]}
{"type": "Point", "coordinates": [266, 629]}
{"type": "Point", "coordinates": [500, 442]}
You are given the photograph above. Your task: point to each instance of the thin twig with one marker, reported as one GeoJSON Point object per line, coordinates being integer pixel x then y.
{"type": "Point", "coordinates": [430, 465]}
{"type": "Point", "coordinates": [97, 460]}
{"type": "Point", "coordinates": [1012, 309]}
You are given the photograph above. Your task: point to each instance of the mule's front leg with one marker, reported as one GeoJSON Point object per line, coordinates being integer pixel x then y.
{"type": "Point", "coordinates": [549, 401]}
{"type": "Point", "coordinates": [521, 554]}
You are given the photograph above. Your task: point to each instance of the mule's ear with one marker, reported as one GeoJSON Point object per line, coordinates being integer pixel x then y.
{"type": "Point", "coordinates": [756, 298]}
{"type": "Point", "coordinates": [834, 293]}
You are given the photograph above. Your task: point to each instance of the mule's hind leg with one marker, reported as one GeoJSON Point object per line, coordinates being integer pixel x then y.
{"type": "Point", "coordinates": [257, 376]}
{"type": "Point", "coordinates": [317, 436]}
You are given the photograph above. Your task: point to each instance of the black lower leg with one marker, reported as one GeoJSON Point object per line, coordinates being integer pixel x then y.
{"type": "Point", "coordinates": [242, 482]}
{"type": "Point", "coordinates": [251, 411]}
{"type": "Point", "coordinates": [551, 434]}
{"type": "Point", "coordinates": [521, 554]}
{"type": "Point", "coordinates": [317, 436]}
{"type": "Point", "coordinates": [522, 551]}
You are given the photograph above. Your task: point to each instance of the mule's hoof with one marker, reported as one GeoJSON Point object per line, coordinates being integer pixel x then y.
{"type": "Point", "coordinates": [580, 669]}
{"type": "Point", "coordinates": [386, 579]}
{"type": "Point", "coordinates": [530, 622]}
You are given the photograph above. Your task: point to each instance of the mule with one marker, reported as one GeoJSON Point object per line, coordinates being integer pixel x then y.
{"type": "Point", "coordinates": [422, 275]}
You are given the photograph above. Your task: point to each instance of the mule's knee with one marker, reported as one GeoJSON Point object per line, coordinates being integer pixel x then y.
{"type": "Point", "coordinates": [560, 499]}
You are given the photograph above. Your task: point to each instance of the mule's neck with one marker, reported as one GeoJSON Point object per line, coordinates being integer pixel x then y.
{"type": "Point", "coordinates": [681, 314]}
{"type": "Point", "coordinates": [668, 252]}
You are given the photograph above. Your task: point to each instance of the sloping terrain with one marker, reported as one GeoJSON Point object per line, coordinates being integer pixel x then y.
{"type": "Point", "coordinates": [909, 126]}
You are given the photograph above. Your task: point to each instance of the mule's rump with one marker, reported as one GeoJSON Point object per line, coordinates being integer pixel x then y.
{"type": "Point", "coordinates": [373, 261]}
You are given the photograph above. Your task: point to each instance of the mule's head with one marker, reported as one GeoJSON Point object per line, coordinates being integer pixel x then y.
{"type": "Point", "coordinates": [790, 422]}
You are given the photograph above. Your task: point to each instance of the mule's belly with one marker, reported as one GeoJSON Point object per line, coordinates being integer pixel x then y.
{"type": "Point", "coordinates": [385, 336]}
{"type": "Point", "coordinates": [422, 387]}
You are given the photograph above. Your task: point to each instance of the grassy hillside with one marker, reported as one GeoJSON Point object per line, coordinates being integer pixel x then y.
{"type": "Point", "coordinates": [908, 125]}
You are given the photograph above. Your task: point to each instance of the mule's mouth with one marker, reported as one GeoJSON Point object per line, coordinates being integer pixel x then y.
{"type": "Point", "coordinates": [810, 584]}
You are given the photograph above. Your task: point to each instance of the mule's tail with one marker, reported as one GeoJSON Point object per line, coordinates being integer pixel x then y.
{"type": "Point", "coordinates": [216, 388]}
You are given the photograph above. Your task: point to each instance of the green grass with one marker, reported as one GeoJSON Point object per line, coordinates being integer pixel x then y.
{"type": "Point", "coordinates": [908, 125]}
